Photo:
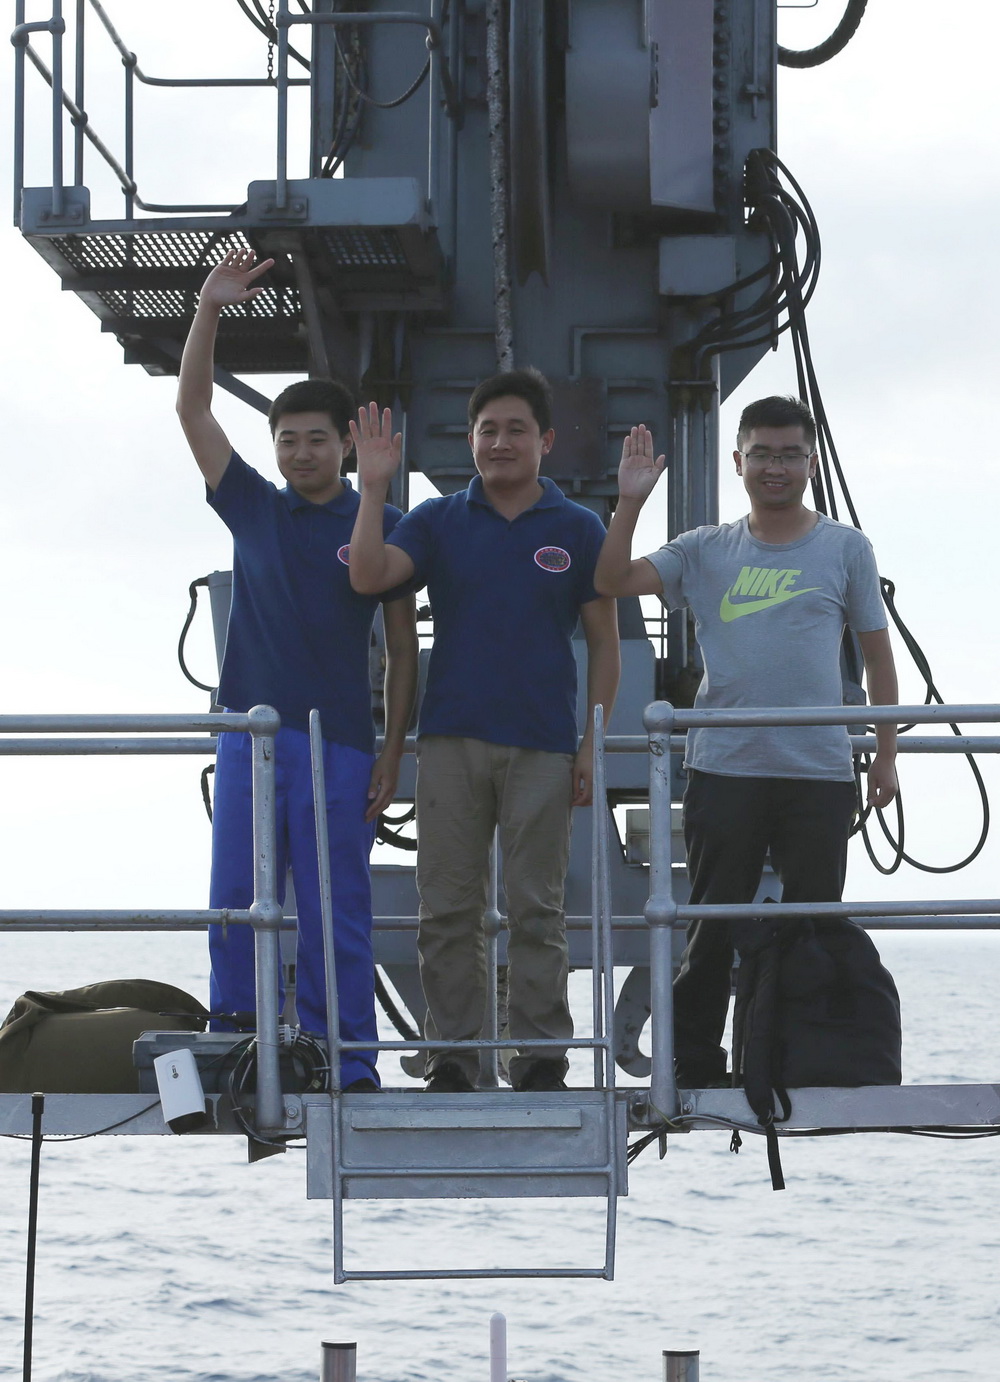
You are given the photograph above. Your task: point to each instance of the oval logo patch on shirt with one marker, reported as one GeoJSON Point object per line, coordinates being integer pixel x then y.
{"type": "Point", "coordinates": [553, 559]}
{"type": "Point", "coordinates": [344, 554]}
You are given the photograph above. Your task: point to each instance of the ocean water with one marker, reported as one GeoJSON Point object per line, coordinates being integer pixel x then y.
{"type": "Point", "coordinates": [171, 1260]}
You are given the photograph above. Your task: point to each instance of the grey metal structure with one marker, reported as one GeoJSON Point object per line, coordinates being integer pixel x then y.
{"type": "Point", "coordinates": [479, 194]}
{"type": "Point", "coordinates": [512, 206]}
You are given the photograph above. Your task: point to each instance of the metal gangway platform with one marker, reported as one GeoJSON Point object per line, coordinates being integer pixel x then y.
{"type": "Point", "coordinates": [494, 1143]}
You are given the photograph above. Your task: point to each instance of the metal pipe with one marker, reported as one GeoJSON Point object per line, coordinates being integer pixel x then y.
{"type": "Point", "coordinates": [265, 913]}
{"type": "Point", "coordinates": [43, 748]}
{"type": "Point", "coordinates": [620, 743]}
{"type": "Point", "coordinates": [19, 50]}
{"type": "Point", "coordinates": [489, 1075]}
{"type": "Point", "coordinates": [661, 914]}
{"type": "Point", "coordinates": [140, 724]}
{"type": "Point", "coordinates": [598, 871]}
{"type": "Point", "coordinates": [877, 916]}
{"type": "Point", "coordinates": [602, 963]}
{"type": "Point", "coordinates": [325, 896]}
{"type": "Point", "coordinates": [123, 920]}
{"type": "Point", "coordinates": [657, 715]}
{"type": "Point", "coordinates": [338, 1362]}
{"type": "Point", "coordinates": [435, 1274]}
{"type": "Point", "coordinates": [78, 94]}
{"type": "Point", "coordinates": [58, 29]}
{"type": "Point", "coordinates": [281, 174]}
{"type": "Point", "coordinates": [680, 1365]}
{"type": "Point", "coordinates": [146, 80]}
{"type": "Point", "coordinates": [130, 188]}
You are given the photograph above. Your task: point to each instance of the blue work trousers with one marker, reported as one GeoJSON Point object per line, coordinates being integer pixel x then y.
{"type": "Point", "coordinates": [347, 772]}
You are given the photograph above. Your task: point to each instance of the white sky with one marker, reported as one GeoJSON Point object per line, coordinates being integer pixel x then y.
{"type": "Point", "coordinates": [103, 523]}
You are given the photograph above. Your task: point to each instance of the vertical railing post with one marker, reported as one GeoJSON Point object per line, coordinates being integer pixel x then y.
{"type": "Point", "coordinates": [489, 1074]}
{"type": "Point", "coordinates": [602, 966]}
{"type": "Point", "coordinates": [600, 910]}
{"type": "Point", "coordinates": [58, 29]}
{"type": "Point", "coordinates": [325, 897]}
{"type": "Point", "coordinates": [18, 114]}
{"type": "Point", "coordinates": [281, 171]}
{"type": "Point", "coordinates": [661, 910]}
{"type": "Point", "coordinates": [79, 93]}
{"type": "Point", "coordinates": [265, 913]}
{"type": "Point", "coordinates": [129, 64]}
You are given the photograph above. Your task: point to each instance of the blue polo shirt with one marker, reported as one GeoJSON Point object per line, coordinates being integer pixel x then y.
{"type": "Point", "coordinates": [299, 637]}
{"type": "Point", "coordinates": [506, 597]}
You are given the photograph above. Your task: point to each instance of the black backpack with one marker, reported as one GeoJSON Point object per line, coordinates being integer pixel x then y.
{"type": "Point", "coordinates": [815, 1006]}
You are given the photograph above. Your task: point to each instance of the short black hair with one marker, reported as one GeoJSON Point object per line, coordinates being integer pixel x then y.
{"type": "Point", "coordinates": [780, 410]}
{"type": "Point", "coordinates": [529, 384]}
{"type": "Point", "coordinates": [328, 396]}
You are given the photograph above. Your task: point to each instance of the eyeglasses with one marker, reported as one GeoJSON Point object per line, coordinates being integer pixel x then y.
{"type": "Point", "coordinates": [782, 458]}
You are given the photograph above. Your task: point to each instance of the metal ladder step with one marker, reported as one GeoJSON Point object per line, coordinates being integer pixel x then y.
{"type": "Point", "coordinates": [492, 1144]}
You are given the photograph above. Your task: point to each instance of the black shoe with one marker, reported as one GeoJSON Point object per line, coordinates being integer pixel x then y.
{"type": "Point", "coordinates": [448, 1077]}
{"type": "Point", "coordinates": [701, 1075]}
{"type": "Point", "coordinates": [542, 1076]}
{"type": "Point", "coordinates": [362, 1086]}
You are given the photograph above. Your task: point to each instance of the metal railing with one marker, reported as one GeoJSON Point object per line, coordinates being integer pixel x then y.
{"type": "Point", "coordinates": [662, 911]}
{"type": "Point", "coordinates": [264, 914]}
{"type": "Point", "coordinates": [36, 734]}
{"type": "Point", "coordinates": [73, 106]}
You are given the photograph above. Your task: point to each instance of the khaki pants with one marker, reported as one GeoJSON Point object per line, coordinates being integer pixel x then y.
{"type": "Point", "coordinates": [465, 789]}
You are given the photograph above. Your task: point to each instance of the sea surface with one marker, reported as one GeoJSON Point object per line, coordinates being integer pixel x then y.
{"type": "Point", "coordinates": [171, 1259]}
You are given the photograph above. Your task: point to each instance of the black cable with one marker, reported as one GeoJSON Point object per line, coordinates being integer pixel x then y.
{"type": "Point", "coordinates": [310, 1063]}
{"type": "Point", "coordinates": [370, 100]}
{"type": "Point", "coordinates": [193, 595]}
{"type": "Point", "coordinates": [830, 47]}
{"type": "Point", "coordinates": [684, 1125]}
{"type": "Point", "coordinates": [206, 795]}
{"type": "Point", "coordinates": [397, 1019]}
{"type": "Point", "coordinates": [779, 206]}
{"type": "Point", "coordinates": [385, 835]}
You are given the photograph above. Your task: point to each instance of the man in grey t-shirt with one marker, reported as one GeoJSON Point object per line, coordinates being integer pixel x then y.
{"type": "Point", "coordinates": [771, 595]}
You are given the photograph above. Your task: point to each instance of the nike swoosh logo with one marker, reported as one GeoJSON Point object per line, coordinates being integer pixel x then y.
{"type": "Point", "coordinates": [728, 611]}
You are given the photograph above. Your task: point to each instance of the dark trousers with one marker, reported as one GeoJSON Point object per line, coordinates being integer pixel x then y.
{"type": "Point", "coordinates": [730, 823]}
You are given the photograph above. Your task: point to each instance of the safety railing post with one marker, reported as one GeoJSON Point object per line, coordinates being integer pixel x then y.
{"type": "Point", "coordinates": [600, 906]}
{"type": "Point", "coordinates": [265, 914]}
{"type": "Point", "coordinates": [661, 910]}
{"type": "Point", "coordinates": [325, 896]}
{"type": "Point", "coordinates": [18, 111]}
{"type": "Point", "coordinates": [129, 64]}
{"type": "Point", "coordinates": [602, 967]}
{"type": "Point", "coordinates": [489, 1072]}
{"type": "Point", "coordinates": [58, 29]}
{"type": "Point", "coordinates": [281, 171]}
{"type": "Point", "coordinates": [79, 96]}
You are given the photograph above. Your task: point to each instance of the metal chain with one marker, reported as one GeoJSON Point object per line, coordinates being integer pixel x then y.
{"type": "Point", "coordinates": [270, 41]}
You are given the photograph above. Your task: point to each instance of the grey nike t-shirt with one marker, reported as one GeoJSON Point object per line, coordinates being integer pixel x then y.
{"type": "Point", "coordinates": [769, 621]}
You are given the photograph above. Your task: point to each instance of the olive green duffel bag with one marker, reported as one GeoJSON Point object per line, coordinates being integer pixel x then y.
{"type": "Point", "coordinates": [80, 1041]}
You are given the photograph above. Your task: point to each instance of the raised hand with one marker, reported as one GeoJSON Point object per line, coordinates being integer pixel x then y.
{"type": "Point", "coordinates": [230, 281]}
{"type": "Point", "coordinates": [638, 472]}
{"type": "Point", "coordinates": [379, 452]}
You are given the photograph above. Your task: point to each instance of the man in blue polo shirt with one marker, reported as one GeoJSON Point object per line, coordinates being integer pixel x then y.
{"type": "Point", "coordinates": [508, 564]}
{"type": "Point", "coordinates": [298, 639]}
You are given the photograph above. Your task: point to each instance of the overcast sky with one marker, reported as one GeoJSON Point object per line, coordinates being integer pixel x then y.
{"type": "Point", "coordinates": [104, 525]}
